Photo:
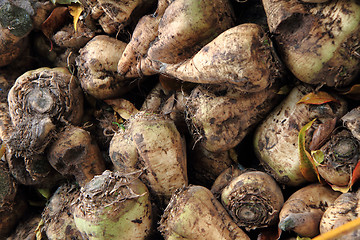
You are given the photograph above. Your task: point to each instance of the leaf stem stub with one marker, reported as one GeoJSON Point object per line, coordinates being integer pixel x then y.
{"type": "Point", "coordinates": [341, 154]}
{"type": "Point", "coordinates": [345, 148]}
{"type": "Point", "coordinates": [253, 199]}
{"type": "Point", "coordinates": [342, 149]}
{"type": "Point", "coordinates": [46, 93]}
{"type": "Point", "coordinates": [251, 210]}
{"type": "Point", "coordinates": [40, 100]}
{"type": "Point", "coordinates": [111, 188]}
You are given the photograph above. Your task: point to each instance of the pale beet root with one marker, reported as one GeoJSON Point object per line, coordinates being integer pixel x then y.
{"type": "Point", "coordinates": [187, 26]}
{"type": "Point", "coordinates": [114, 205]}
{"type": "Point", "coordinates": [276, 138]}
{"type": "Point", "coordinates": [317, 42]}
{"type": "Point", "coordinates": [343, 210]}
{"type": "Point", "coordinates": [151, 143]}
{"type": "Point", "coordinates": [253, 199]}
{"type": "Point", "coordinates": [114, 16]}
{"type": "Point", "coordinates": [142, 36]}
{"type": "Point", "coordinates": [224, 179]}
{"type": "Point", "coordinates": [242, 57]}
{"type": "Point", "coordinates": [341, 155]}
{"type": "Point", "coordinates": [303, 210]}
{"type": "Point", "coordinates": [351, 121]}
{"type": "Point", "coordinates": [40, 102]}
{"type": "Point", "coordinates": [170, 102]}
{"type": "Point", "coordinates": [97, 64]}
{"type": "Point", "coordinates": [194, 213]}
{"type": "Point", "coordinates": [75, 154]}
{"type": "Point", "coordinates": [174, 33]}
{"type": "Point", "coordinates": [219, 118]}
{"type": "Point", "coordinates": [58, 214]}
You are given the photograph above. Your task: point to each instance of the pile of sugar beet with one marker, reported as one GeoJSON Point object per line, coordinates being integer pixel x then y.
{"type": "Point", "coordinates": [179, 119]}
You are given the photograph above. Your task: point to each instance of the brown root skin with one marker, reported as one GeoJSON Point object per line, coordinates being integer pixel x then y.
{"type": "Point", "coordinates": [253, 199]}
{"type": "Point", "coordinates": [10, 214]}
{"type": "Point", "coordinates": [219, 117]}
{"type": "Point", "coordinates": [58, 214]}
{"type": "Point", "coordinates": [8, 185]}
{"type": "Point", "coordinates": [34, 170]}
{"type": "Point", "coordinates": [205, 166]}
{"type": "Point", "coordinates": [42, 12]}
{"type": "Point", "coordinates": [67, 37]}
{"type": "Point", "coordinates": [76, 154]}
{"type": "Point", "coordinates": [351, 121]}
{"type": "Point", "coordinates": [344, 209]}
{"type": "Point", "coordinates": [246, 64]}
{"type": "Point", "coordinates": [320, 48]}
{"type": "Point", "coordinates": [194, 213]}
{"type": "Point", "coordinates": [26, 229]}
{"type": "Point", "coordinates": [97, 66]}
{"type": "Point", "coordinates": [314, 1]}
{"type": "Point", "coordinates": [341, 154]}
{"type": "Point", "coordinates": [276, 138]}
{"type": "Point", "coordinates": [15, 25]}
{"type": "Point", "coordinates": [6, 127]}
{"type": "Point", "coordinates": [303, 210]}
{"type": "Point", "coordinates": [11, 47]}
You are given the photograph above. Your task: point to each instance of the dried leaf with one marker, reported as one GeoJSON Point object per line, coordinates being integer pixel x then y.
{"type": "Point", "coordinates": [307, 165]}
{"type": "Point", "coordinates": [45, 192]}
{"type": "Point", "coordinates": [317, 98]}
{"type": "Point", "coordinates": [2, 150]}
{"type": "Point", "coordinates": [67, 2]}
{"type": "Point", "coordinates": [353, 92]}
{"type": "Point", "coordinates": [123, 107]}
{"type": "Point", "coordinates": [318, 157]}
{"type": "Point", "coordinates": [75, 11]}
{"type": "Point", "coordinates": [38, 230]}
{"type": "Point", "coordinates": [284, 90]}
{"type": "Point", "coordinates": [321, 133]}
{"type": "Point", "coordinates": [169, 105]}
{"type": "Point", "coordinates": [354, 177]}
{"type": "Point", "coordinates": [302, 238]}
{"type": "Point", "coordinates": [56, 19]}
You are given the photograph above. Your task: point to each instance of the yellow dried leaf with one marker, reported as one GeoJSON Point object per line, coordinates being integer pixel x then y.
{"type": "Point", "coordinates": [2, 150]}
{"type": "Point", "coordinates": [317, 98]}
{"type": "Point", "coordinates": [75, 11]}
{"type": "Point", "coordinates": [307, 166]}
{"type": "Point", "coordinates": [38, 230]}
